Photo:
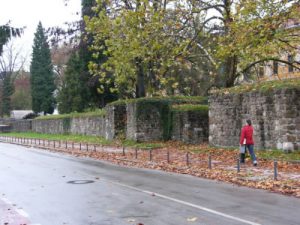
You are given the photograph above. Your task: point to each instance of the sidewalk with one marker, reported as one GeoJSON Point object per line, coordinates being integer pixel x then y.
{"type": "Point", "coordinates": [11, 215]}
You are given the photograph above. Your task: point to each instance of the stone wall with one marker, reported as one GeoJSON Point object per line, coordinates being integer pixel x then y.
{"type": "Point", "coordinates": [189, 126]}
{"type": "Point", "coordinates": [5, 128]}
{"type": "Point", "coordinates": [139, 120]}
{"type": "Point", "coordinates": [109, 126]}
{"type": "Point", "coordinates": [92, 126]}
{"type": "Point", "coordinates": [21, 125]}
{"type": "Point", "coordinates": [50, 126]}
{"type": "Point", "coordinates": [156, 120]}
{"type": "Point", "coordinates": [275, 117]}
{"type": "Point", "coordinates": [115, 121]}
{"type": "Point", "coordinates": [145, 120]}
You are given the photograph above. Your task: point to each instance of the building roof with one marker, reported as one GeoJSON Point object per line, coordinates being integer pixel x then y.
{"type": "Point", "coordinates": [19, 114]}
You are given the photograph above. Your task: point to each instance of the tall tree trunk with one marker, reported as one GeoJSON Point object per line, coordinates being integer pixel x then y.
{"type": "Point", "coordinates": [140, 80]}
{"type": "Point", "coordinates": [231, 61]}
{"type": "Point", "coordinates": [230, 71]}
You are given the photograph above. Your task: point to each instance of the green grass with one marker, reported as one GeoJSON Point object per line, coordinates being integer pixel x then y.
{"type": "Point", "coordinates": [190, 107]}
{"type": "Point", "coordinates": [95, 113]}
{"type": "Point", "coordinates": [143, 145]}
{"type": "Point", "coordinates": [278, 155]}
{"type": "Point", "coordinates": [170, 99]}
{"type": "Point", "coordinates": [84, 139]}
{"type": "Point", "coordinates": [265, 86]}
{"type": "Point", "coordinates": [62, 137]}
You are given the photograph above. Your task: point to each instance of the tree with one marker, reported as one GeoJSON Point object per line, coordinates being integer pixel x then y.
{"type": "Point", "coordinates": [60, 56]}
{"type": "Point", "coordinates": [42, 79]}
{"type": "Point", "coordinates": [80, 89]}
{"type": "Point", "coordinates": [145, 39]}
{"type": "Point", "coordinates": [11, 63]}
{"type": "Point", "coordinates": [6, 33]}
{"type": "Point", "coordinates": [7, 91]}
{"type": "Point", "coordinates": [245, 33]}
{"type": "Point", "coordinates": [142, 40]}
{"type": "Point", "coordinates": [21, 98]}
{"type": "Point", "coordinates": [73, 94]}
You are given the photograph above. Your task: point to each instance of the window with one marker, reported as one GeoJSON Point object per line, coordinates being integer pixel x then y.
{"type": "Point", "coordinates": [290, 60]}
{"type": "Point", "coordinates": [261, 71]}
{"type": "Point", "coordinates": [275, 67]}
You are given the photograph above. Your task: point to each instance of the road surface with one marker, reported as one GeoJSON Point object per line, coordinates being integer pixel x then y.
{"type": "Point", "coordinates": [54, 189]}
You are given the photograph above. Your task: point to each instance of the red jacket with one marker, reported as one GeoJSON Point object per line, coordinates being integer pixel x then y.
{"type": "Point", "coordinates": [247, 133]}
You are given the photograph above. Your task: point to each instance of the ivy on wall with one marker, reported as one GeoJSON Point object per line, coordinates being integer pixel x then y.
{"type": "Point", "coordinates": [66, 125]}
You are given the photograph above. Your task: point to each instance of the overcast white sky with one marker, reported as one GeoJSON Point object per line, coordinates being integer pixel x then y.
{"type": "Point", "coordinates": [27, 13]}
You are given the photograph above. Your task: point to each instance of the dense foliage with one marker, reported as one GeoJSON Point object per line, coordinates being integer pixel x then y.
{"type": "Point", "coordinates": [149, 43]}
{"type": "Point", "coordinates": [80, 90]}
{"type": "Point", "coordinates": [42, 79]}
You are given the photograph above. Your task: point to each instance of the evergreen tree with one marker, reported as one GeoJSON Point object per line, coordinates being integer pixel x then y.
{"type": "Point", "coordinates": [82, 90]}
{"type": "Point", "coordinates": [7, 91]}
{"type": "Point", "coordinates": [6, 33]}
{"type": "Point", "coordinates": [74, 94]}
{"type": "Point", "coordinates": [42, 79]}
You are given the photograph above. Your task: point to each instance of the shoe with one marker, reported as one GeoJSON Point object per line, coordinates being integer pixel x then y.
{"type": "Point", "coordinates": [242, 158]}
{"type": "Point", "coordinates": [255, 163]}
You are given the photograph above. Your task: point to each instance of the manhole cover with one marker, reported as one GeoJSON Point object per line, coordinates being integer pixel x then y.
{"type": "Point", "coordinates": [80, 181]}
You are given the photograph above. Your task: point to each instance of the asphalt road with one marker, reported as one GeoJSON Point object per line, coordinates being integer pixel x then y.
{"type": "Point", "coordinates": [55, 189]}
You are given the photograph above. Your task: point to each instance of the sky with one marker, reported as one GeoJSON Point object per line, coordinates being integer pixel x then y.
{"type": "Point", "coordinates": [27, 13]}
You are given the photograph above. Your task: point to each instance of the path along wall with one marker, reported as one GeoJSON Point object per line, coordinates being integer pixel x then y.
{"type": "Point", "coordinates": [275, 116]}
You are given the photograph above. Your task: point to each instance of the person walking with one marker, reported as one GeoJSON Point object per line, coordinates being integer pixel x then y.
{"type": "Point", "coordinates": [246, 141]}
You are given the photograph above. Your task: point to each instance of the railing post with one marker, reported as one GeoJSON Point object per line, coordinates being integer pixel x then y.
{"type": "Point", "coordinates": [275, 170]}
{"type": "Point", "coordinates": [209, 162]}
{"type": "Point", "coordinates": [187, 159]}
{"type": "Point", "coordinates": [150, 154]}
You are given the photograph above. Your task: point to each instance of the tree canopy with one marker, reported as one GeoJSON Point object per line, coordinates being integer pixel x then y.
{"type": "Point", "coordinates": [42, 78]}
{"type": "Point", "coordinates": [6, 33]}
{"type": "Point", "coordinates": [145, 40]}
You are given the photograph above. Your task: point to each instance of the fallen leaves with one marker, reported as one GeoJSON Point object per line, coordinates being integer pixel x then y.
{"type": "Point", "coordinates": [192, 219]}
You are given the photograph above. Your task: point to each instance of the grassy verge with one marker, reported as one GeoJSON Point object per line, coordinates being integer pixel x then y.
{"type": "Point", "coordinates": [261, 154]}
{"type": "Point", "coordinates": [279, 155]}
{"type": "Point", "coordinates": [265, 86]}
{"type": "Point", "coordinates": [143, 145]}
{"type": "Point", "coordinates": [95, 113]}
{"type": "Point", "coordinates": [85, 139]}
{"type": "Point", "coordinates": [62, 137]}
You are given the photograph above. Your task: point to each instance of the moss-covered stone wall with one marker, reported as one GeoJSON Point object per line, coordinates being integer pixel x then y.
{"type": "Point", "coordinates": [275, 114]}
